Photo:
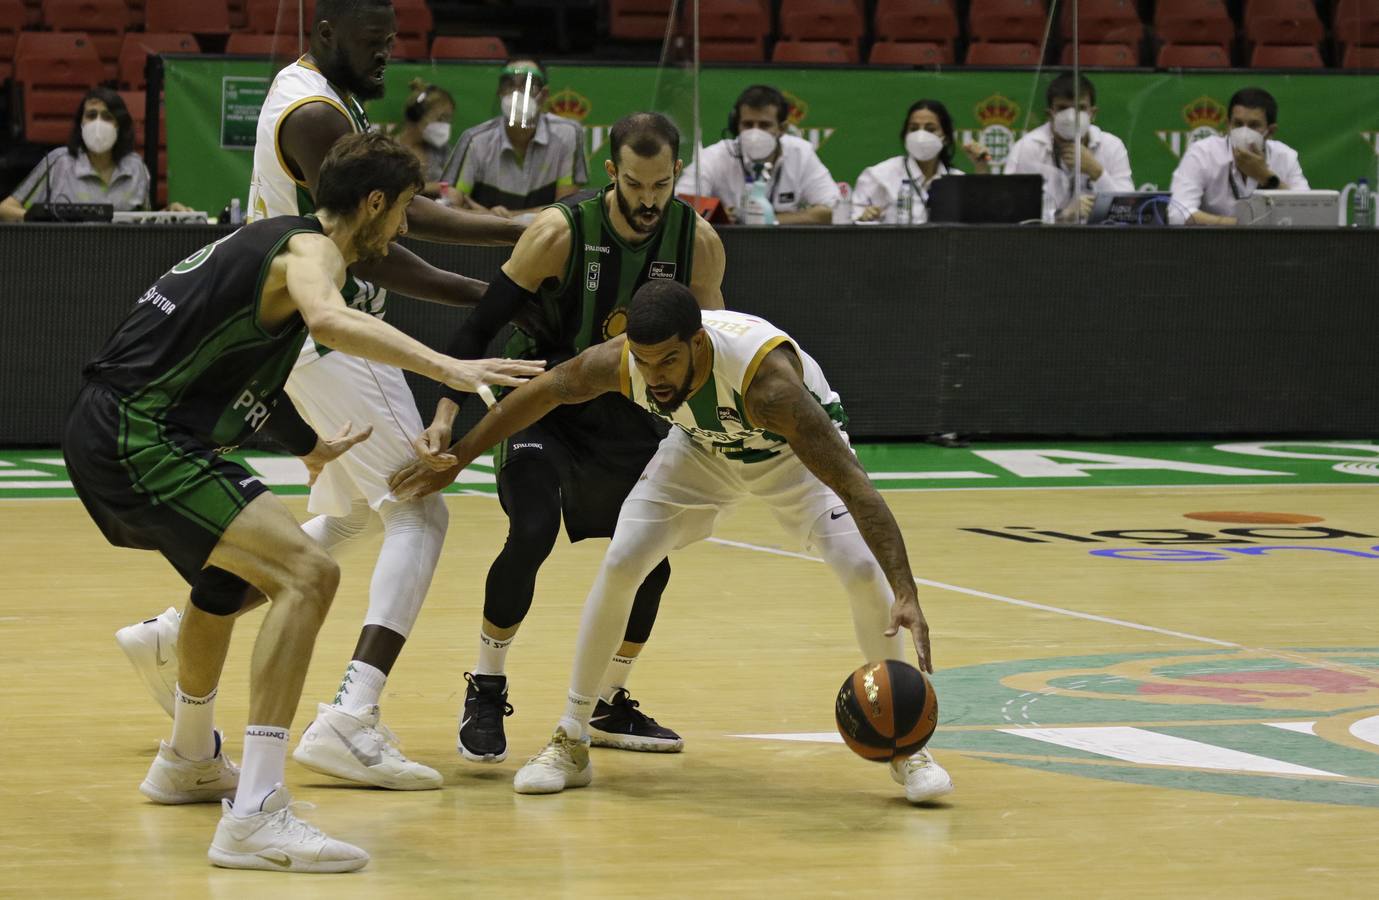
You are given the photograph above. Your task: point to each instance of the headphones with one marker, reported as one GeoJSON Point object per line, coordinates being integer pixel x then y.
{"type": "Point", "coordinates": [417, 108]}
{"type": "Point", "coordinates": [768, 96]}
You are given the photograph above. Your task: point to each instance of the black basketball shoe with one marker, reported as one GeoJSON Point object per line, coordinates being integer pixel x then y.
{"type": "Point", "coordinates": [622, 725]}
{"type": "Point", "coordinates": [481, 721]}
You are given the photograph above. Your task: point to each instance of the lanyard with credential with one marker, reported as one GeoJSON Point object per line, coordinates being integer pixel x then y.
{"type": "Point", "coordinates": [917, 184]}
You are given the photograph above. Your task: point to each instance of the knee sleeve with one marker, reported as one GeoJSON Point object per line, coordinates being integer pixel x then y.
{"type": "Point", "coordinates": [413, 533]}
{"type": "Point", "coordinates": [331, 531]}
{"type": "Point", "coordinates": [647, 604]}
{"type": "Point", "coordinates": [531, 495]}
{"type": "Point", "coordinates": [219, 593]}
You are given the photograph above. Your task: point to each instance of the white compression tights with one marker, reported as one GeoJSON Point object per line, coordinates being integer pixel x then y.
{"type": "Point", "coordinates": [648, 531]}
{"type": "Point", "coordinates": [413, 533]}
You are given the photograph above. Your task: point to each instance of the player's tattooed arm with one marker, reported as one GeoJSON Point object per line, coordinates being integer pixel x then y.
{"type": "Point", "coordinates": [778, 401]}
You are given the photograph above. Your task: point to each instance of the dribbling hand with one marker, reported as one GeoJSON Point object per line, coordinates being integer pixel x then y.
{"type": "Point", "coordinates": [905, 613]}
{"type": "Point", "coordinates": [328, 449]}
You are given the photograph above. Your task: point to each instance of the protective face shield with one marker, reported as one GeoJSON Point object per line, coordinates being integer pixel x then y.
{"type": "Point", "coordinates": [437, 134]}
{"type": "Point", "coordinates": [1072, 124]}
{"type": "Point", "coordinates": [98, 135]}
{"type": "Point", "coordinates": [757, 145]}
{"type": "Point", "coordinates": [1243, 138]}
{"type": "Point", "coordinates": [520, 105]}
{"type": "Point", "coordinates": [923, 145]}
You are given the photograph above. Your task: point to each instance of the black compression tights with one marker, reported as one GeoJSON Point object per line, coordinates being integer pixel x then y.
{"type": "Point", "coordinates": [531, 493]}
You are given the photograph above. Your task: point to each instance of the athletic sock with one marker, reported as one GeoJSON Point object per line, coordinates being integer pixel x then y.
{"type": "Point", "coordinates": [361, 687]}
{"type": "Point", "coordinates": [193, 726]}
{"type": "Point", "coordinates": [578, 709]}
{"type": "Point", "coordinates": [619, 670]}
{"type": "Point", "coordinates": [493, 654]}
{"type": "Point", "coordinates": [264, 767]}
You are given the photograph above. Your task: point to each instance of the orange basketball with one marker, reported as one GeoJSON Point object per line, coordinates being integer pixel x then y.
{"type": "Point", "coordinates": [886, 710]}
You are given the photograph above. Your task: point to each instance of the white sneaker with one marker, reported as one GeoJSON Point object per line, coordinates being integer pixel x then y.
{"type": "Point", "coordinates": [276, 840]}
{"type": "Point", "coordinates": [355, 747]}
{"type": "Point", "coordinates": [173, 779]}
{"type": "Point", "coordinates": [151, 646]}
{"type": "Point", "coordinates": [563, 764]}
{"type": "Point", "coordinates": [923, 777]}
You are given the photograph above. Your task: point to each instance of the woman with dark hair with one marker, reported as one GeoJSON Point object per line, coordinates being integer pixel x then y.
{"type": "Point", "coordinates": [98, 165]}
{"type": "Point", "coordinates": [896, 191]}
{"type": "Point", "coordinates": [425, 130]}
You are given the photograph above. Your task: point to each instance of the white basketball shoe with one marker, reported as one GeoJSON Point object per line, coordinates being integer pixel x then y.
{"type": "Point", "coordinates": [356, 747]}
{"type": "Point", "coordinates": [923, 777]}
{"type": "Point", "coordinates": [274, 839]}
{"type": "Point", "coordinates": [172, 779]}
{"type": "Point", "coordinates": [151, 646]}
{"type": "Point", "coordinates": [564, 763]}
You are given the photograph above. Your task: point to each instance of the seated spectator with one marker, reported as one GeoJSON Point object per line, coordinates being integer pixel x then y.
{"type": "Point", "coordinates": [801, 191]}
{"type": "Point", "coordinates": [98, 165]}
{"type": "Point", "coordinates": [1215, 172]}
{"type": "Point", "coordinates": [896, 191]}
{"type": "Point", "coordinates": [524, 159]}
{"type": "Point", "coordinates": [1051, 150]}
{"type": "Point", "coordinates": [426, 130]}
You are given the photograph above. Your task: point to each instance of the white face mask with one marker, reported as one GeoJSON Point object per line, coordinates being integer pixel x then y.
{"type": "Point", "coordinates": [437, 134]}
{"type": "Point", "coordinates": [1243, 138]}
{"type": "Point", "coordinates": [519, 109]}
{"type": "Point", "coordinates": [757, 145]}
{"type": "Point", "coordinates": [923, 145]}
{"type": "Point", "coordinates": [1071, 124]}
{"type": "Point", "coordinates": [99, 135]}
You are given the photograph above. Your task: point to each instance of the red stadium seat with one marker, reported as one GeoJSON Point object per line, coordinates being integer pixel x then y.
{"type": "Point", "coordinates": [1358, 56]}
{"type": "Point", "coordinates": [731, 20]}
{"type": "Point", "coordinates": [928, 21]}
{"type": "Point", "coordinates": [103, 21]}
{"type": "Point", "coordinates": [12, 16]}
{"type": "Point", "coordinates": [1007, 20]}
{"type": "Point", "coordinates": [821, 20]}
{"type": "Point", "coordinates": [1283, 22]}
{"type": "Point", "coordinates": [1193, 22]}
{"type": "Point", "coordinates": [201, 17]}
{"type": "Point", "coordinates": [1357, 22]}
{"type": "Point", "coordinates": [55, 69]}
{"type": "Point", "coordinates": [911, 53]}
{"type": "Point", "coordinates": [1271, 56]}
{"type": "Point", "coordinates": [282, 47]}
{"type": "Point", "coordinates": [746, 51]}
{"type": "Point", "coordinates": [1002, 54]}
{"type": "Point", "coordinates": [414, 19]}
{"type": "Point", "coordinates": [638, 20]}
{"type": "Point", "coordinates": [33, 15]}
{"type": "Point", "coordinates": [410, 48]}
{"type": "Point", "coordinates": [468, 48]}
{"type": "Point", "coordinates": [136, 101]}
{"type": "Point", "coordinates": [1103, 22]}
{"type": "Point", "coordinates": [1106, 56]}
{"type": "Point", "coordinates": [1193, 56]}
{"type": "Point", "coordinates": [139, 46]}
{"type": "Point", "coordinates": [830, 52]}
{"type": "Point", "coordinates": [272, 16]}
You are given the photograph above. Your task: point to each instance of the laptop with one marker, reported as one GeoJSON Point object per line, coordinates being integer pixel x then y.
{"type": "Point", "coordinates": [69, 212]}
{"type": "Point", "coordinates": [1137, 208]}
{"type": "Point", "coordinates": [1290, 209]}
{"type": "Point", "coordinates": [987, 199]}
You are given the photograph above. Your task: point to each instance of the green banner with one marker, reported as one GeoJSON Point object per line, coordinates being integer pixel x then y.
{"type": "Point", "coordinates": [852, 115]}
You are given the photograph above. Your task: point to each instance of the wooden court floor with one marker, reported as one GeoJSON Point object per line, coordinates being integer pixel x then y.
{"type": "Point", "coordinates": [1132, 724]}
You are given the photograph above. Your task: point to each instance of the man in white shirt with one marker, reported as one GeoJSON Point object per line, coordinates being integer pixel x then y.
{"type": "Point", "coordinates": [1051, 150]}
{"type": "Point", "coordinates": [799, 187]}
{"type": "Point", "coordinates": [1216, 172]}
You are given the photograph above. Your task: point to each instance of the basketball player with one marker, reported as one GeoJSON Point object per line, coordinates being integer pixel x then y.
{"type": "Point", "coordinates": [196, 367]}
{"type": "Point", "coordinates": [753, 414]}
{"type": "Point", "coordinates": [579, 262]}
{"type": "Point", "coordinates": [312, 104]}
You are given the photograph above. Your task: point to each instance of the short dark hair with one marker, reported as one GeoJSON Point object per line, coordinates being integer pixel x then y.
{"type": "Point", "coordinates": [359, 164]}
{"type": "Point", "coordinates": [1064, 88]}
{"type": "Point", "coordinates": [124, 124]}
{"type": "Point", "coordinates": [1255, 98]}
{"type": "Point", "coordinates": [945, 122]}
{"type": "Point", "coordinates": [335, 10]}
{"type": "Point", "coordinates": [646, 133]}
{"type": "Point", "coordinates": [760, 96]}
{"type": "Point", "coordinates": [661, 310]}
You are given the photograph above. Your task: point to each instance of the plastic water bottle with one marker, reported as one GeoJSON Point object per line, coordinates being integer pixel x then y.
{"type": "Point", "coordinates": [905, 204]}
{"type": "Point", "coordinates": [236, 214]}
{"type": "Point", "coordinates": [1361, 205]}
{"type": "Point", "coordinates": [759, 209]}
{"type": "Point", "coordinates": [1050, 213]}
{"type": "Point", "coordinates": [842, 210]}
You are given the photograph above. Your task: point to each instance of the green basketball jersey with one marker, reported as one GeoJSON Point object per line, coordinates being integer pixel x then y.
{"type": "Point", "coordinates": [588, 305]}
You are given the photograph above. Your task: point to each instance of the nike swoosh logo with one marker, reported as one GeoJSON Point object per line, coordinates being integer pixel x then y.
{"type": "Point", "coordinates": [465, 721]}
{"type": "Point", "coordinates": [837, 515]}
{"type": "Point", "coordinates": [205, 781]}
{"type": "Point", "coordinates": [365, 757]}
{"type": "Point", "coordinates": [158, 651]}
{"type": "Point", "coordinates": [273, 857]}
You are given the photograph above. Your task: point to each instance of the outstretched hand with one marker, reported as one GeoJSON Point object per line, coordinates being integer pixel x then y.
{"type": "Point", "coordinates": [472, 374]}
{"type": "Point", "coordinates": [328, 449]}
{"type": "Point", "coordinates": [417, 480]}
{"type": "Point", "coordinates": [905, 613]}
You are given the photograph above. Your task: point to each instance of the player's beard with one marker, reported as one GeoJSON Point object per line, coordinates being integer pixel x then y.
{"type": "Point", "coordinates": [633, 217]}
{"type": "Point", "coordinates": [681, 395]}
{"type": "Point", "coordinates": [372, 243]}
{"type": "Point", "coordinates": [336, 67]}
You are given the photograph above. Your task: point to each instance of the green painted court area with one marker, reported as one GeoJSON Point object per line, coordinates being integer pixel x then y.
{"type": "Point", "coordinates": [26, 474]}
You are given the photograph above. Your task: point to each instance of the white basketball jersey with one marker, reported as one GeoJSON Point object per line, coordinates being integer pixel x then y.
{"type": "Point", "coordinates": [715, 416]}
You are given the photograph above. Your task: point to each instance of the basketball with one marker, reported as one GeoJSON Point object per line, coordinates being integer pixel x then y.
{"type": "Point", "coordinates": [886, 710]}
